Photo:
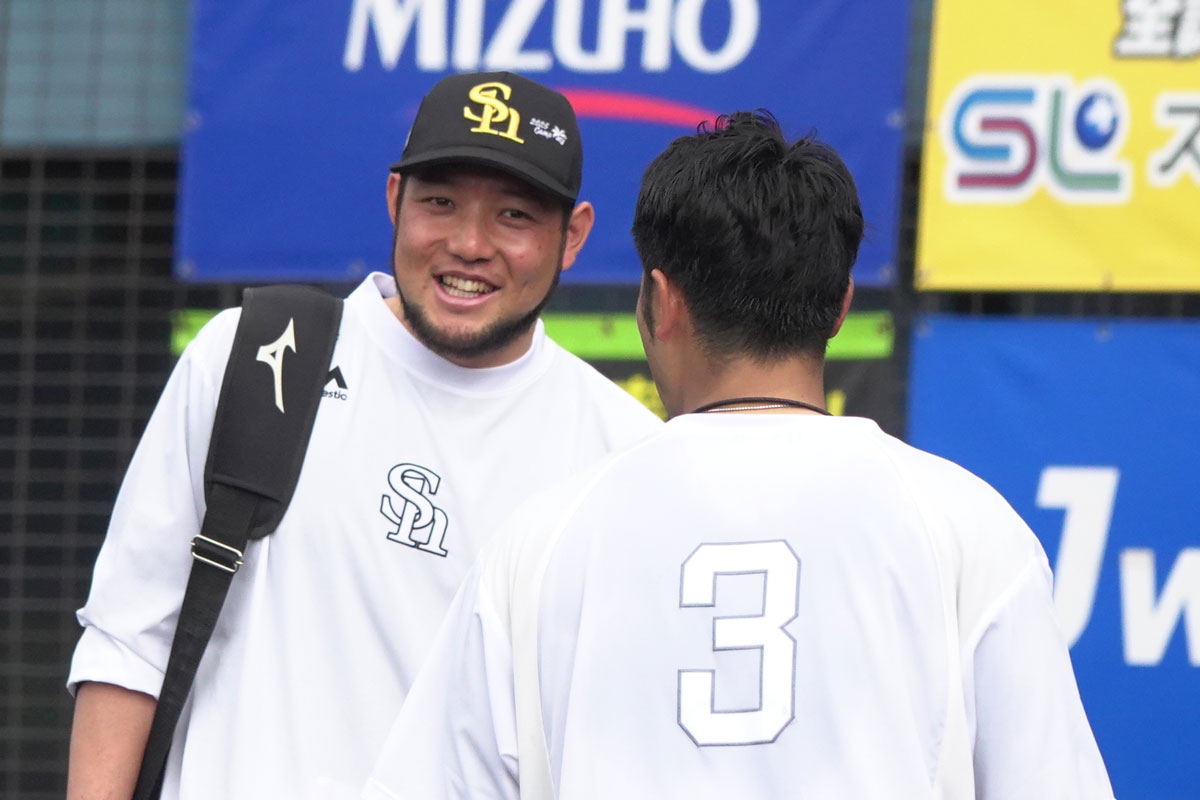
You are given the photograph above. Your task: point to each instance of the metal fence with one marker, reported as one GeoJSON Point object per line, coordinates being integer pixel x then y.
{"type": "Point", "coordinates": [86, 297]}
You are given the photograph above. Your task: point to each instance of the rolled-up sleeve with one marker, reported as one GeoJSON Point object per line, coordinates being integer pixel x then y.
{"type": "Point", "coordinates": [142, 568]}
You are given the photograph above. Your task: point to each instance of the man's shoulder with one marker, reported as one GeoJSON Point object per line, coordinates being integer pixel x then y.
{"type": "Point", "coordinates": [215, 337]}
{"type": "Point", "coordinates": [598, 392]}
{"type": "Point", "coordinates": [975, 520]}
{"type": "Point", "coordinates": [934, 474]}
{"type": "Point", "coordinates": [533, 528]}
{"type": "Point", "coordinates": [213, 343]}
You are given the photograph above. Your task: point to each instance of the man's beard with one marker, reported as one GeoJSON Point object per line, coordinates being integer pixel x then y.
{"type": "Point", "coordinates": [468, 346]}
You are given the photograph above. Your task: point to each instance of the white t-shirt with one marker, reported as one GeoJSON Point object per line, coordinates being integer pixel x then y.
{"type": "Point", "coordinates": [753, 607]}
{"type": "Point", "coordinates": [412, 465]}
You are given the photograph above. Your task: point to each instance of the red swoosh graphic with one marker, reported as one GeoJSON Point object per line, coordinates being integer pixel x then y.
{"type": "Point", "coordinates": [602, 104]}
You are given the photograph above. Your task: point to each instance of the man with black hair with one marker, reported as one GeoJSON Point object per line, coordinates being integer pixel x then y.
{"type": "Point", "coordinates": [451, 406]}
{"type": "Point", "coordinates": [760, 601]}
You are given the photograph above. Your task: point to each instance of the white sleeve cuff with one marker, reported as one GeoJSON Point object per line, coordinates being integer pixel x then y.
{"type": "Point", "coordinates": [99, 657]}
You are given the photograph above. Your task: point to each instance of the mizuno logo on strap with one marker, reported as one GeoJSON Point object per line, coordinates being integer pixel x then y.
{"type": "Point", "coordinates": [272, 355]}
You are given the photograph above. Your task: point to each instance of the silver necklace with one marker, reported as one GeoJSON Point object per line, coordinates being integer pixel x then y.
{"type": "Point", "coordinates": [755, 404]}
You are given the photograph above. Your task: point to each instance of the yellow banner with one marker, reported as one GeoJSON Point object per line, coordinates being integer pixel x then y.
{"type": "Point", "coordinates": [1062, 146]}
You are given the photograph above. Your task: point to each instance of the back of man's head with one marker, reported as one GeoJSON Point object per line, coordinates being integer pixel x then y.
{"type": "Point", "coordinates": [759, 234]}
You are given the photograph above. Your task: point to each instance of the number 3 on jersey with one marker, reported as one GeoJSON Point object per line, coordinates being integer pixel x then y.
{"type": "Point", "coordinates": [780, 569]}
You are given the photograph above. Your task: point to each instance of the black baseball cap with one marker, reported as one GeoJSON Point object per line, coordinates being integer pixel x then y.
{"type": "Point", "coordinates": [501, 120]}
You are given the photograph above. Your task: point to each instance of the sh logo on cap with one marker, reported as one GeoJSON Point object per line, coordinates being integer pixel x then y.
{"type": "Point", "coordinates": [494, 110]}
{"type": "Point", "coordinates": [495, 133]}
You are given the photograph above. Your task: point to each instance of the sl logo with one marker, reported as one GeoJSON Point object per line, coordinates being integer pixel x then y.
{"type": "Point", "coordinates": [419, 524]}
{"type": "Point", "coordinates": [494, 110]}
{"type": "Point", "coordinates": [1006, 136]}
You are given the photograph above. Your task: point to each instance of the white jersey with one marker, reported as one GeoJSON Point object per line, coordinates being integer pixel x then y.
{"type": "Point", "coordinates": [413, 464]}
{"type": "Point", "coordinates": [753, 607]}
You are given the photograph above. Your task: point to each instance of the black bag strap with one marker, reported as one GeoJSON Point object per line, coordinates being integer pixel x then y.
{"type": "Point", "coordinates": [272, 387]}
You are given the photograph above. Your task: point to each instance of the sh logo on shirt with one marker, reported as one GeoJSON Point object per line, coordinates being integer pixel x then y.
{"type": "Point", "coordinates": [419, 523]}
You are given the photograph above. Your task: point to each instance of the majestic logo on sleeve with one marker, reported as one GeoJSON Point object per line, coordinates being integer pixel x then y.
{"type": "Point", "coordinates": [272, 355]}
{"type": "Point", "coordinates": [419, 523]}
{"type": "Point", "coordinates": [494, 110]}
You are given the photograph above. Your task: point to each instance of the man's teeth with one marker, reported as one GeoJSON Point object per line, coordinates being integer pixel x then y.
{"type": "Point", "coordinates": [464, 287]}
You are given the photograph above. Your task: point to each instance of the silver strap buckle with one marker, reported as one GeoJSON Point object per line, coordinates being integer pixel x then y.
{"type": "Point", "coordinates": [217, 554]}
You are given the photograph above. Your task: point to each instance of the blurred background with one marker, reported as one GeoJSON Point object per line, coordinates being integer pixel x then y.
{"type": "Point", "coordinates": [1028, 298]}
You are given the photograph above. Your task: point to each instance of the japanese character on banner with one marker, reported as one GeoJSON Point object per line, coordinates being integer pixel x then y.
{"type": "Point", "coordinates": [1187, 32]}
{"type": "Point", "coordinates": [1180, 112]}
{"type": "Point", "coordinates": [1159, 29]}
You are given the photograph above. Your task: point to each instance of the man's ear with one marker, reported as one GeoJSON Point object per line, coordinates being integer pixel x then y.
{"type": "Point", "coordinates": [845, 308]}
{"type": "Point", "coordinates": [393, 194]}
{"type": "Point", "coordinates": [583, 216]}
{"type": "Point", "coordinates": [667, 305]}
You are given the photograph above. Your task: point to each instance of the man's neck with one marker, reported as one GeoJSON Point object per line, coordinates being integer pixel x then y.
{"type": "Point", "coordinates": [798, 378]}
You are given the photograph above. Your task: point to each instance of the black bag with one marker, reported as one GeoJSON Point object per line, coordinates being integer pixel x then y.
{"type": "Point", "coordinates": [269, 398]}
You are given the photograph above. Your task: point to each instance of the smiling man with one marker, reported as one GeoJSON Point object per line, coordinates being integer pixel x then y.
{"type": "Point", "coordinates": [485, 215]}
{"type": "Point", "coordinates": [452, 408]}
{"type": "Point", "coordinates": [471, 250]}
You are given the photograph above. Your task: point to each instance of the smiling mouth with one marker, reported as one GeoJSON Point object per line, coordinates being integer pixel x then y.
{"type": "Point", "coordinates": [464, 287]}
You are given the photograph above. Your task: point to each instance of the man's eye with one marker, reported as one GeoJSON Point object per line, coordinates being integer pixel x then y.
{"type": "Point", "coordinates": [516, 213]}
{"type": "Point", "coordinates": [440, 202]}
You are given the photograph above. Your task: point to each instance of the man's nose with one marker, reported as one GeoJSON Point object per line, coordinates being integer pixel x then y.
{"type": "Point", "coordinates": [470, 239]}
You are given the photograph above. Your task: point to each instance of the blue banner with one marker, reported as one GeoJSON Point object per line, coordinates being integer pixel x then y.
{"type": "Point", "coordinates": [1091, 429]}
{"type": "Point", "coordinates": [297, 107]}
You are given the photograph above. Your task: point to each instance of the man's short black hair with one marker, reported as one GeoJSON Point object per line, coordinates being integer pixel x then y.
{"type": "Point", "coordinates": [759, 234]}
